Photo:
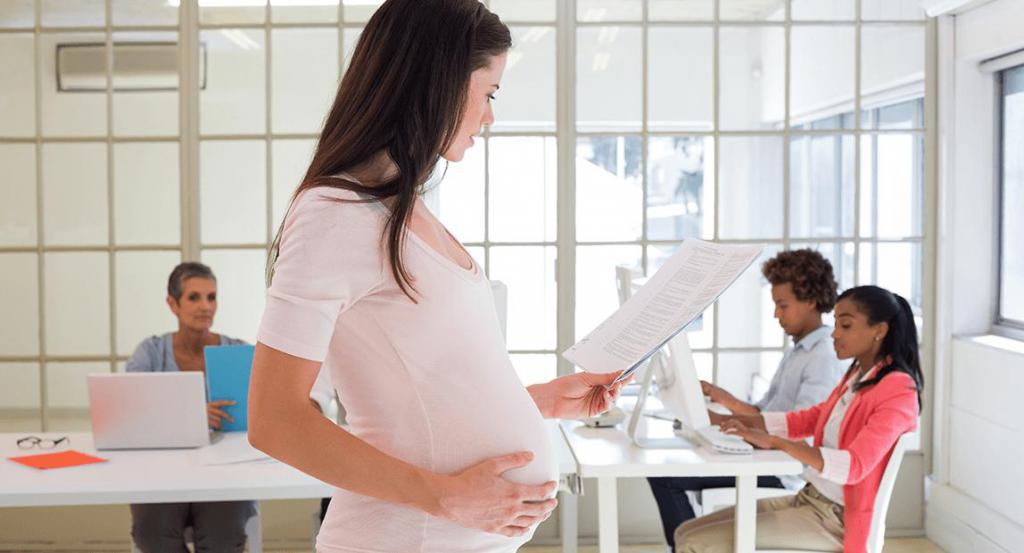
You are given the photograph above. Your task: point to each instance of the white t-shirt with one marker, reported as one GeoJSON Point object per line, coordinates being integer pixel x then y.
{"type": "Point", "coordinates": [429, 383]}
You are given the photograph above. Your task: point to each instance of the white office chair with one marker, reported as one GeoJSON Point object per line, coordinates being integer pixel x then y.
{"type": "Point", "coordinates": [253, 534]}
{"type": "Point", "coordinates": [876, 535]}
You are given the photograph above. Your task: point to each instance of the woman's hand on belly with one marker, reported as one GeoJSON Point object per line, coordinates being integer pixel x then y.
{"type": "Point", "coordinates": [577, 396]}
{"type": "Point", "coordinates": [479, 497]}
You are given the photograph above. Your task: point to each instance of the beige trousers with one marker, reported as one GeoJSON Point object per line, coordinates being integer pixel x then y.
{"type": "Point", "coordinates": [807, 520]}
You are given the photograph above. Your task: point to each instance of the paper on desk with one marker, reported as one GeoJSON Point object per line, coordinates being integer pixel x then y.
{"type": "Point", "coordinates": [57, 460]}
{"type": "Point", "coordinates": [691, 280]}
{"type": "Point", "coordinates": [229, 450]}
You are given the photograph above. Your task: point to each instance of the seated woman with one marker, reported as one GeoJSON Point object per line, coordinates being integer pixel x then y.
{"type": "Point", "coordinates": [216, 526]}
{"type": "Point", "coordinates": [854, 432]}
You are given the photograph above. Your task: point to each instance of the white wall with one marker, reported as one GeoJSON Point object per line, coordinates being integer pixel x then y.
{"type": "Point", "coordinates": [975, 502]}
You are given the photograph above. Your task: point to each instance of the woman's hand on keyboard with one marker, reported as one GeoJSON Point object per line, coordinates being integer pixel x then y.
{"type": "Point", "coordinates": [753, 436]}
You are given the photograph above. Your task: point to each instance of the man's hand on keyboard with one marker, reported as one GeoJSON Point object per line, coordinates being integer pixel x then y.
{"type": "Point", "coordinates": [754, 436]}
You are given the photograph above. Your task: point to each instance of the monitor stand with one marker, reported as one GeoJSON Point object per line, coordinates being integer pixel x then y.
{"type": "Point", "coordinates": [633, 426]}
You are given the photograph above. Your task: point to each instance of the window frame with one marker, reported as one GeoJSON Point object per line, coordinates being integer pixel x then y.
{"type": "Point", "coordinates": [1001, 325]}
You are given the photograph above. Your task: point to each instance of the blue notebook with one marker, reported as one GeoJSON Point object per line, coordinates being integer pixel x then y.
{"type": "Point", "coordinates": [227, 377]}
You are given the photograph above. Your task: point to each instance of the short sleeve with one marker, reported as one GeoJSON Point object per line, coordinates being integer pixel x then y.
{"type": "Point", "coordinates": [330, 256]}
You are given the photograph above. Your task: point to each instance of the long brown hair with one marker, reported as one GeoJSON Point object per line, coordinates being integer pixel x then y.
{"type": "Point", "coordinates": [403, 95]}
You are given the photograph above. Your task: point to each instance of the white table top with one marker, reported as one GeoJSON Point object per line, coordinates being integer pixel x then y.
{"type": "Point", "coordinates": [610, 452]}
{"type": "Point", "coordinates": [168, 475]}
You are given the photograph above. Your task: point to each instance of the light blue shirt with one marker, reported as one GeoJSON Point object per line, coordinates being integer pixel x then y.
{"type": "Point", "coordinates": [807, 374]}
{"type": "Point", "coordinates": [156, 354]}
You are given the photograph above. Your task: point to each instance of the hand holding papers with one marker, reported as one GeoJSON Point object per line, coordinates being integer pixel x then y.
{"type": "Point", "coordinates": [691, 280]}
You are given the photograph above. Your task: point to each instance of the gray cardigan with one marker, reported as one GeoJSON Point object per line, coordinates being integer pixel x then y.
{"type": "Point", "coordinates": [156, 354]}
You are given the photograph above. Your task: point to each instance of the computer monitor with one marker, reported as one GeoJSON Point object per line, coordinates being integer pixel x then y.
{"type": "Point", "coordinates": [677, 385]}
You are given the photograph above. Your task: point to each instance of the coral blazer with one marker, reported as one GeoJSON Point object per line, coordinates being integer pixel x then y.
{"type": "Point", "coordinates": [875, 420]}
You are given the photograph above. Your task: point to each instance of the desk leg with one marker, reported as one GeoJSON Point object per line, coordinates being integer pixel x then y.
{"type": "Point", "coordinates": [746, 514]}
{"type": "Point", "coordinates": [568, 521]}
{"type": "Point", "coordinates": [607, 516]}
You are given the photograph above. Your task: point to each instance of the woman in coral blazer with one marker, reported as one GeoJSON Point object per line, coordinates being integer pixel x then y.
{"type": "Point", "coordinates": [854, 433]}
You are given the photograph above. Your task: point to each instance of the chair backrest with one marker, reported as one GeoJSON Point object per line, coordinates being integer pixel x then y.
{"type": "Point", "coordinates": [876, 536]}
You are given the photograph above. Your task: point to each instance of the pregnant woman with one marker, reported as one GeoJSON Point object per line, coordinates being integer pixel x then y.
{"type": "Point", "coordinates": [446, 450]}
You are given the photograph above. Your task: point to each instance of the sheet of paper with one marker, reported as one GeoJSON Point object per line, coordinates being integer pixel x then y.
{"type": "Point", "coordinates": [57, 460]}
{"type": "Point", "coordinates": [690, 281]}
{"type": "Point", "coordinates": [229, 449]}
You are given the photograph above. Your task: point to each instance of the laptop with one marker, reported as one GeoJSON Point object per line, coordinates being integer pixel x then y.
{"type": "Point", "coordinates": [148, 410]}
{"type": "Point", "coordinates": [678, 388]}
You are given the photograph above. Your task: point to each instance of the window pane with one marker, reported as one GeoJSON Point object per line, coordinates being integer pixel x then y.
{"type": "Point", "coordinates": [680, 187]}
{"type": "Point", "coordinates": [892, 57]}
{"type": "Point", "coordinates": [233, 191]}
{"type": "Point", "coordinates": [904, 115]}
{"type": "Point", "coordinates": [18, 14]}
{"type": "Point", "coordinates": [609, 10]}
{"type": "Point", "coordinates": [81, 280]}
{"type": "Point", "coordinates": [751, 187]}
{"type": "Point", "coordinates": [222, 14]}
{"type": "Point", "coordinates": [743, 374]}
{"type": "Point", "coordinates": [821, 186]}
{"type": "Point", "coordinates": [535, 368]}
{"type": "Point", "coordinates": [141, 291]}
{"type": "Point", "coordinates": [1011, 298]}
{"type": "Point", "coordinates": [291, 160]}
{"type": "Point", "coordinates": [234, 99]}
{"type": "Point", "coordinates": [19, 294]}
{"type": "Point", "coordinates": [757, 10]}
{"type": "Point", "coordinates": [144, 12]}
{"type": "Point", "coordinates": [19, 390]}
{"type": "Point", "coordinates": [529, 274]}
{"type": "Point", "coordinates": [72, 13]}
{"type": "Point", "coordinates": [821, 84]}
{"type": "Point", "coordinates": [360, 10]}
{"type": "Point", "coordinates": [75, 194]}
{"type": "Point", "coordinates": [67, 394]}
{"type": "Point", "coordinates": [680, 10]}
{"type": "Point", "coordinates": [524, 10]}
{"type": "Point", "coordinates": [894, 266]}
{"type": "Point", "coordinates": [349, 37]}
{"type": "Point", "coordinates": [840, 255]}
{"type": "Point", "coordinates": [701, 331]}
{"type": "Point", "coordinates": [523, 188]}
{"type": "Point", "coordinates": [303, 85]}
{"type": "Point", "coordinates": [149, 112]}
{"type": "Point", "coordinates": [526, 101]}
{"type": "Point", "coordinates": [892, 185]}
{"type": "Point", "coordinates": [240, 290]}
{"type": "Point", "coordinates": [892, 9]}
{"type": "Point", "coordinates": [290, 11]}
{"type": "Point", "coordinates": [609, 197]}
{"type": "Point", "coordinates": [147, 193]}
{"type": "Point", "coordinates": [752, 77]}
{"type": "Point", "coordinates": [608, 60]}
{"type": "Point", "coordinates": [68, 113]}
{"type": "Point", "coordinates": [746, 311]}
{"type": "Point", "coordinates": [830, 10]}
{"type": "Point", "coordinates": [680, 73]}
{"type": "Point", "coordinates": [17, 85]}
{"type": "Point", "coordinates": [18, 210]}
{"type": "Point", "coordinates": [596, 295]}
{"type": "Point", "coordinates": [458, 200]}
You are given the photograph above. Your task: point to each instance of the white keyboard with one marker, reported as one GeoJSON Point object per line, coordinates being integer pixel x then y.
{"type": "Point", "coordinates": [724, 443]}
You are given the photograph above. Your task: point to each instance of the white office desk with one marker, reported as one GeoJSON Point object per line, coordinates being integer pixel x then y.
{"type": "Point", "coordinates": [608, 454]}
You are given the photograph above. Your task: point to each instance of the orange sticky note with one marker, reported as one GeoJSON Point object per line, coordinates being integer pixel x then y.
{"type": "Point", "coordinates": [58, 460]}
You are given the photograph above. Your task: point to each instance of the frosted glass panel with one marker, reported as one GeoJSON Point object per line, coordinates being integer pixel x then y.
{"type": "Point", "coordinates": [147, 195]}
{"type": "Point", "coordinates": [680, 187]}
{"type": "Point", "coordinates": [18, 14]}
{"type": "Point", "coordinates": [18, 210]}
{"type": "Point", "coordinates": [240, 291]}
{"type": "Point", "coordinates": [290, 11]}
{"type": "Point", "coordinates": [609, 10]}
{"type": "Point", "coordinates": [524, 10]}
{"type": "Point", "coordinates": [144, 12]}
{"type": "Point", "coordinates": [892, 9]}
{"type": "Point", "coordinates": [234, 99]}
{"type": "Point", "coordinates": [609, 188]}
{"type": "Point", "coordinates": [304, 67]}
{"type": "Point", "coordinates": [141, 288]}
{"type": "Point", "coordinates": [529, 274]}
{"type": "Point", "coordinates": [67, 383]}
{"type": "Point", "coordinates": [752, 10]}
{"type": "Point", "coordinates": [680, 10]}
{"type": "Point", "coordinates": [523, 189]}
{"type": "Point", "coordinates": [360, 11]}
{"type": "Point", "coordinates": [17, 85]}
{"type": "Point", "coordinates": [223, 13]}
{"type": "Point", "coordinates": [746, 311]}
{"type": "Point", "coordinates": [824, 10]}
{"type": "Point", "coordinates": [77, 300]}
{"type": "Point", "coordinates": [891, 57]}
{"type": "Point", "coordinates": [291, 160]}
{"type": "Point", "coordinates": [750, 184]}
{"type": "Point", "coordinates": [752, 77]}
{"type": "Point", "coordinates": [19, 296]}
{"type": "Point", "coordinates": [233, 191]}
{"type": "Point", "coordinates": [821, 83]}
{"type": "Point", "coordinates": [349, 37]}
{"type": "Point", "coordinates": [679, 78]}
{"type": "Point", "coordinates": [608, 78]}
{"type": "Point", "coordinates": [596, 294]}
{"type": "Point", "coordinates": [459, 198]}
{"type": "Point", "coordinates": [892, 185]}
{"type": "Point", "coordinates": [19, 387]}
{"type": "Point", "coordinates": [68, 113]}
{"type": "Point", "coordinates": [821, 186]}
{"type": "Point", "coordinates": [526, 101]}
{"type": "Point", "coordinates": [535, 368]}
{"type": "Point", "coordinates": [146, 113]}
{"type": "Point", "coordinates": [75, 194]}
{"type": "Point", "coordinates": [72, 13]}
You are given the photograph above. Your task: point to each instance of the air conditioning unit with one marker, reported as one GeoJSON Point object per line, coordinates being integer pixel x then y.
{"type": "Point", "coordinates": [137, 67]}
